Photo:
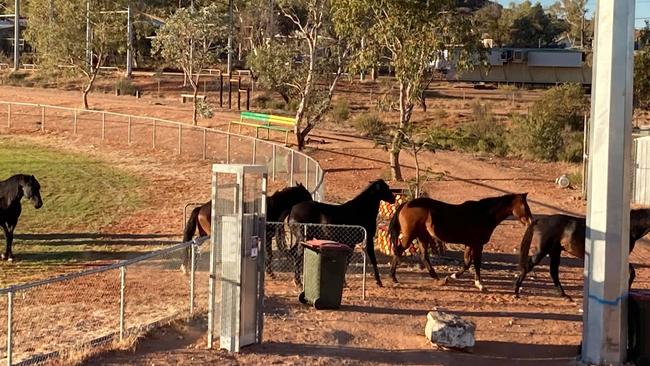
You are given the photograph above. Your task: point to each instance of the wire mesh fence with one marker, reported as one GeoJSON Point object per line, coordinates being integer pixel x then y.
{"type": "Point", "coordinates": [284, 252]}
{"type": "Point", "coordinates": [48, 318]}
{"type": "Point", "coordinates": [282, 162]}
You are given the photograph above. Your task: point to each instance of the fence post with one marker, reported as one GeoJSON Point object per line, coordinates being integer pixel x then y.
{"type": "Point", "coordinates": [42, 119]}
{"type": "Point", "coordinates": [205, 132]}
{"type": "Point", "coordinates": [273, 163]}
{"type": "Point", "coordinates": [254, 150]}
{"type": "Point", "coordinates": [228, 149]}
{"type": "Point", "coordinates": [192, 274]}
{"type": "Point", "coordinates": [10, 298]}
{"type": "Point", "coordinates": [103, 125]}
{"type": "Point", "coordinates": [291, 170]}
{"type": "Point", "coordinates": [122, 286]}
{"type": "Point", "coordinates": [180, 137]}
{"type": "Point", "coordinates": [8, 115]}
{"type": "Point", "coordinates": [153, 135]}
{"type": "Point", "coordinates": [306, 171]}
{"type": "Point", "coordinates": [128, 137]}
{"type": "Point", "coordinates": [74, 123]}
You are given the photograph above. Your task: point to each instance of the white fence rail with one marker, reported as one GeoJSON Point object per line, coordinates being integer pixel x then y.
{"type": "Point", "coordinates": [284, 164]}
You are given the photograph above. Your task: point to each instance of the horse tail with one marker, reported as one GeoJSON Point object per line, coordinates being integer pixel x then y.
{"type": "Point", "coordinates": [524, 247]}
{"type": "Point", "coordinates": [190, 227]}
{"type": "Point", "coordinates": [394, 228]}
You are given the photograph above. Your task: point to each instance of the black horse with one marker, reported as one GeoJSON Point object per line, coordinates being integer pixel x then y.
{"type": "Point", "coordinates": [12, 191]}
{"type": "Point", "coordinates": [278, 206]}
{"type": "Point", "coordinates": [557, 233]}
{"type": "Point", "coordinates": [361, 210]}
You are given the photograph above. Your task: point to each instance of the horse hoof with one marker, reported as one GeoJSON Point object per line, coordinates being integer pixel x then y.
{"type": "Point", "coordinates": [480, 286]}
{"type": "Point", "coordinates": [379, 284]}
{"type": "Point", "coordinates": [453, 275]}
{"type": "Point", "coordinates": [444, 281]}
{"type": "Point", "coordinates": [10, 259]}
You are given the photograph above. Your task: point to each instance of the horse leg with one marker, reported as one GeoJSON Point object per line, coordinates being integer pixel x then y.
{"type": "Point", "coordinates": [555, 272]}
{"type": "Point", "coordinates": [468, 262]}
{"type": "Point", "coordinates": [9, 237]}
{"type": "Point", "coordinates": [370, 251]}
{"type": "Point", "coordinates": [477, 256]}
{"type": "Point", "coordinates": [424, 241]}
{"type": "Point", "coordinates": [395, 261]}
{"type": "Point", "coordinates": [544, 249]}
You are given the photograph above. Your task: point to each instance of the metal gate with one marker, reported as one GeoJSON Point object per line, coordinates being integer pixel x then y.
{"type": "Point", "coordinates": [237, 255]}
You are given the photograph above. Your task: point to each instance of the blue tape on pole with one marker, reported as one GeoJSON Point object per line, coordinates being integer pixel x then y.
{"type": "Point", "coordinates": [608, 302]}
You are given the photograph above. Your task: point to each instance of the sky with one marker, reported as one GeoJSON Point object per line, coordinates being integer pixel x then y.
{"type": "Point", "coordinates": [642, 8]}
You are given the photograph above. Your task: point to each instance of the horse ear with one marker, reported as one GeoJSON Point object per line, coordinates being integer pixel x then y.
{"type": "Point", "coordinates": [525, 194]}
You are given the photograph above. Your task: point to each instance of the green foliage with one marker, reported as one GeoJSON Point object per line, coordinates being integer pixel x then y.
{"type": "Point", "coordinates": [483, 135]}
{"type": "Point", "coordinates": [125, 86]}
{"type": "Point", "coordinates": [340, 111]}
{"type": "Point", "coordinates": [370, 125]}
{"type": "Point", "coordinates": [275, 70]}
{"type": "Point", "coordinates": [552, 131]}
{"type": "Point", "coordinates": [57, 31]}
{"type": "Point", "coordinates": [204, 109]}
{"type": "Point", "coordinates": [642, 70]}
{"type": "Point", "coordinates": [191, 39]}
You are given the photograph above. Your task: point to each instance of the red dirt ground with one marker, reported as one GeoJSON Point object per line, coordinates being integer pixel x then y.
{"type": "Point", "coordinates": [388, 327]}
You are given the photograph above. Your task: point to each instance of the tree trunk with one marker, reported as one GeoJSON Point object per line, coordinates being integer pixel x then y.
{"type": "Point", "coordinates": [395, 168]}
{"type": "Point", "coordinates": [195, 88]}
{"type": "Point", "coordinates": [84, 95]}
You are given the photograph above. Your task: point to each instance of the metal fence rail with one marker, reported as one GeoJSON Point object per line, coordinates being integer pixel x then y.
{"type": "Point", "coordinates": [49, 317]}
{"type": "Point", "coordinates": [283, 163]}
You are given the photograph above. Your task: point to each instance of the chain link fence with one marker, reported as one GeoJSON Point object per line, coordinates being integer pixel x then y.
{"type": "Point", "coordinates": [283, 164]}
{"type": "Point", "coordinates": [56, 316]}
{"type": "Point", "coordinates": [284, 254]}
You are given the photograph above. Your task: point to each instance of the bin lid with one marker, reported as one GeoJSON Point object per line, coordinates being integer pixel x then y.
{"type": "Point", "coordinates": [320, 245]}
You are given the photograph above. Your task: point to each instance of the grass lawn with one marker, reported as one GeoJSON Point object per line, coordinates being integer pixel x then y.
{"type": "Point", "coordinates": [80, 195]}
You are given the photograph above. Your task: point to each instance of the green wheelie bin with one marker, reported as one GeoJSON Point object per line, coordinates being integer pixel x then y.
{"type": "Point", "coordinates": [324, 266]}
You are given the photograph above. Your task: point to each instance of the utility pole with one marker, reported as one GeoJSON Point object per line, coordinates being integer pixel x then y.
{"type": "Point", "coordinates": [604, 335]}
{"type": "Point", "coordinates": [230, 20]}
{"type": "Point", "coordinates": [17, 36]}
{"type": "Point", "coordinates": [89, 51]}
{"type": "Point", "coordinates": [129, 41]}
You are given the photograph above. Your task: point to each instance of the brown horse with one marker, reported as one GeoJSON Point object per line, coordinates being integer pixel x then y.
{"type": "Point", "coordinates": [563, 232]}
{"type": "Point", "coordinates": [470, 223]}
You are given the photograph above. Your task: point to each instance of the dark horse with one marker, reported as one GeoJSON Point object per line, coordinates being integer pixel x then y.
{"type": "Point", "coordinates": [470, 223]}
{"type": "Point", "coordinates": [361, 210]}
{"type": "Point", "coordinates": [563, 232]}
{"type": "Point", "coordinates": [278, 207]}
{"type": "Point", "coordinates": [12, 191]}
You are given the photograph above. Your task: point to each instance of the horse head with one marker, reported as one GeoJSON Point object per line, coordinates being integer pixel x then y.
{"type": "Point", "coordinates": [302, 193]}
{"type": "Point", "coordinates": [381, 190]}
{"type": "Point", "coordinates": [520, 209]}
{"type": "Point", "coordinates": [32, 190]}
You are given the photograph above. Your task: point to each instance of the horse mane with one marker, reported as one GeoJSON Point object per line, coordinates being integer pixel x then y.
{"type": "Point", "coordinates": [495, 204]}
{"type": "Point", "coordinates": [365, 195]}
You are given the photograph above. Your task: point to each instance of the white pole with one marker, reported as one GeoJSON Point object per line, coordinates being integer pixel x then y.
{"type": "Point", "coordinates": [89, 52]}
{"type": "Point", "coordinates": [604, 338]}
{"type": "Point", "coordinates": [129, 41]}
{"type": "Point", "coordinates": [230, 20]}
{"type": "Point", "coordinates": [17, 36]}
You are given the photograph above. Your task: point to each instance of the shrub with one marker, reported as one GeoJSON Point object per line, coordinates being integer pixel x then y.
{"type": "Point", "coordinates": [553, 129]}
{"type": "Point", "coordinates": [262, 101]}
{"type": "Point", "coordinates": [340, 111]}
{"type": "Point", "coordinates": [204, 110]}
{"type": "Point", "coordinates": [370, 125]}
{"type": "Point", "coordinates": [125, 86]}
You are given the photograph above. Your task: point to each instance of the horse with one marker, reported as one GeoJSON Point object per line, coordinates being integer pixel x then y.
{"type": "Point", "coordinates": [278, 206]}
{"type": "Point", "coordinates": [362, 211]}
{"type": "Point", "coordinates": [470, 223]}
{"type": "Point", "coordinates": [12, 191]}
{"type": "Point", "coordinates": [564, 232]}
